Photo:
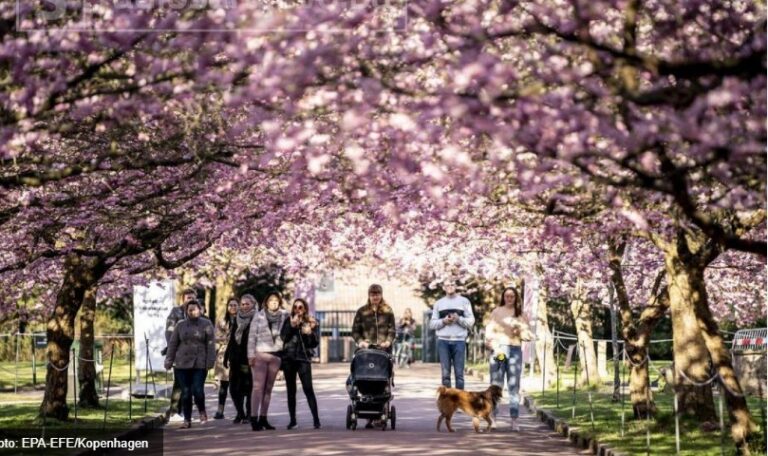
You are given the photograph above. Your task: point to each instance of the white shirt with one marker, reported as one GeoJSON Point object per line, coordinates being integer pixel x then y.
{"type": "Point", "coordinates": [458, 330]}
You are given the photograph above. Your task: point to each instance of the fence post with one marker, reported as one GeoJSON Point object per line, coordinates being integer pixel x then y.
{"type": "Point", "coordinates": [573, 405]}
{"type": "Point", "coordinates": [109, 382]}
{"type": "Point", "coordinates": [74, 381]}
{"type": "Point", "coordinates": [130, 382]}
{"type": "Point", "coordinates": [648, 412]}
{"type": "Point", "coordinates": [16, 375]}
{"type": "Point", "coordinates": [34, 362]}
{"type": "Point", "coordinates": [557, 375]}
{"type": "Point", "coordinates": [722, 420]}
{"type": "Point", "coordinates": [146, 374]}
{"type": "Point", "coordinates": [589, 388]}
{"type": "Point", "coordinates": [621, 389]}
{"type": "Point", "coordinates": [762, 405]}
{"type": "Point", "coordinates": [677, 424]}
{"type": "Point", "coordinates": [544, 367]}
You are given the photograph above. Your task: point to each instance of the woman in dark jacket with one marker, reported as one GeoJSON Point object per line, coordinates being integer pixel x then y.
{"type": "Point", "coordinates": [236, 359]}
{"type": "Point", "coordinates": [300, 336]}
{"type": "Point", "coordinates": [192, 351]}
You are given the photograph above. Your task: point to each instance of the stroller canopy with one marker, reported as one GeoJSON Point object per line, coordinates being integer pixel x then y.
{"type": "Point", "coordinates": [371, 365]}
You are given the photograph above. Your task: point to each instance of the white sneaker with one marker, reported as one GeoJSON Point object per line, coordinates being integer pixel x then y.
{"type": "Point", "coordinates": [176, 419]}
{"type": "Point", "coordinates": [493, 423]}
{"type": "Point", "coordinates": [515, 425]}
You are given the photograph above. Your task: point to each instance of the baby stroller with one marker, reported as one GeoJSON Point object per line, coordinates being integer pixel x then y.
{"type": "Point", "coordinates": [372, 379]}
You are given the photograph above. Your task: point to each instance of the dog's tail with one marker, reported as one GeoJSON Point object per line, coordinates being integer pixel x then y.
{"type": "Point", "coordinates": [441, 389]}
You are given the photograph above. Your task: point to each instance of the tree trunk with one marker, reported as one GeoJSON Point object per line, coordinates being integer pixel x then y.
{"type": "Point", "coordinates": [738, 411]}
{"type": "Point", "coordinates": [224, 291]}
{"type": "Point", "coordinates": [582, 316]}
{"type": "Point", "coordinates": [80, 274]}
{"type": "Point", "coordinates": [88, 397]}
{"type": "Point", "coordinates": [686, 258]}
{"type": "Point", "coordinates": [691, 358]}
{"type": "Point", "coordinates": [636, 331]}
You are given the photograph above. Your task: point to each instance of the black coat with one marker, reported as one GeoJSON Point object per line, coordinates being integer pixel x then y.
{"type": "Point", "coordinates": [298, 346]}
{"type": "Point", "coordinates": [237, 354]}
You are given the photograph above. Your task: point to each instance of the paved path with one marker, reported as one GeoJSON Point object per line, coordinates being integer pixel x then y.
{"type": "Point", "coordinates": [416, 417]}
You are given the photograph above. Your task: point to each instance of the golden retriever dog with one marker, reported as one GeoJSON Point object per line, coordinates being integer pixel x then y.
{"type": "Point", "coordinates": [475, 404]}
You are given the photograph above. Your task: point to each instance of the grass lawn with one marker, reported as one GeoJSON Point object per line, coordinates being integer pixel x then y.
{"type": "Point", "coordinates": [608, 424]}
{"type": "Point", "coordinates": [119, 374]}
{"type": "Point", "coordinates": [24, 416]}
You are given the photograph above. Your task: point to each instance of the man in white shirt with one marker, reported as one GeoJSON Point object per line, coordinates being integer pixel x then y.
{"type": "Point", "coordinates": [452, 318]}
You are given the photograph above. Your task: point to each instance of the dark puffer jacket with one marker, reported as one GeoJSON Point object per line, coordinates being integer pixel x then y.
{"type": "Point", "coordinates": [296, 345]}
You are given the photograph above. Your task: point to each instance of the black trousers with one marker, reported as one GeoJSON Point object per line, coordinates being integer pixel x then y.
{"type": "Point", "coordinates": [223, 388]}
{"type": "Point", "coordinates": [304, 370]}
{"type": "Point", "coordinates": [240, 387]}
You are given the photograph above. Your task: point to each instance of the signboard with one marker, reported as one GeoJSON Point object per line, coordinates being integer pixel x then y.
{"type": "Point", "coordinates": [151, 306]}
{"type": "Point", "coordinates": [326, 288]}
{"type": "Point", "coordinates": [41, 340]}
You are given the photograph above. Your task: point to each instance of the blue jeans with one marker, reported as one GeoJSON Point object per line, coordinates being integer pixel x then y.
{"type": "Point", "coordinates": [511, 367]}
{"type": "Point", "coordinates": [452, 352]}
{"type": "Point", "coordinates": [192, 382]}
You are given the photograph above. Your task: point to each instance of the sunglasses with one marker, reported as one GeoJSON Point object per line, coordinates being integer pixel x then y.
{"type": "Point", "coordinates": [299, 307]}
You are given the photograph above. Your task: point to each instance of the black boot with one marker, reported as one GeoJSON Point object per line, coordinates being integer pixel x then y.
{"type": "Point", "coordinates": [256, 424]}
{"type": "Point", "coordinates": [293, 423]}
{"type": "Point", "coordinates": [238, 419]}
{"type": "Point", "coordinates": [317, 423]}
{"type": "Point", "coordinates": [265, 424]}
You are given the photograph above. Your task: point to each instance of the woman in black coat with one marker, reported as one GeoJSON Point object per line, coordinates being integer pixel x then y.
{"type": "Point", "coordinates": [236, 358]}
{"type": "Point", "coordinates": [300, 336]}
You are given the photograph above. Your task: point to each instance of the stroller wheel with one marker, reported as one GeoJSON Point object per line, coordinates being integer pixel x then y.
{"type": "Point", "coordinates": [392, 417]}
{"type": "Point", "coordinates": [350, 420]}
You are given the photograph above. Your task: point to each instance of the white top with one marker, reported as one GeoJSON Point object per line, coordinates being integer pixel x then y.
{"type": "Point", "coordinates": [458, 330]}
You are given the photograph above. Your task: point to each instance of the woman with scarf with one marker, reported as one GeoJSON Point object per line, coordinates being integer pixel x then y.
{"type": "Point", "coordinates": [192, 352]}
{"type": "Point", "coordinates": [236, 358]}
{"type": "Point", "coordinates": [264, 356]}
{"type": "Point", "coordinates": [300, 335]}
{"type": "Point", "coordinates": [221, 369]}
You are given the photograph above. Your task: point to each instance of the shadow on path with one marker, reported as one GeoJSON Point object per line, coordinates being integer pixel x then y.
{"type": "Point", "coordinates": [416, 417]}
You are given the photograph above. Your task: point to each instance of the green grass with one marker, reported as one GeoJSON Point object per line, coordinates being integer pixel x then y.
{"type": "Point", "coordinates": [24, 416]}
{"type": "Point", "coordinates": [607, 428]}
{"type": "Point", "coordinates": [119, 374]}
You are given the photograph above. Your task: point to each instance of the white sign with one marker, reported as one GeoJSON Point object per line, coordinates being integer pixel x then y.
{"type": "Point", "coordinates": [151, 306]}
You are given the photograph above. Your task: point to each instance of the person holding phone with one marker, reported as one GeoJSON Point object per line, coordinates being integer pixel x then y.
{"type": "Point", "coordinates": [452, 319]}
{"type": "Point", "coordinates": [300, 335]}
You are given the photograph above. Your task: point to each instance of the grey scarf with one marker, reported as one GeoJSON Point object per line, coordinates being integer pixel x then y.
{"type": "Point", "coordinates": [242, 321]}
{"type": "Point", "coordinates": [274, 320]}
